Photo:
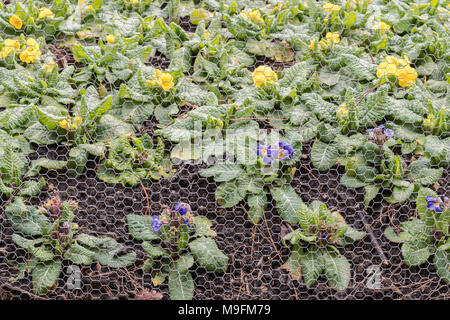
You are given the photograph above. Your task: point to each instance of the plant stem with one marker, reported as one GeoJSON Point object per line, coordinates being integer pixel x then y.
{"type": "Point", "coordinates": [373, 239]}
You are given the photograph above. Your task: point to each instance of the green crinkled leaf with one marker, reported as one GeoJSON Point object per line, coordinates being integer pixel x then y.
{"type": "Point", "coordinates": [416, 252]}
{"type": "Point", "coordinates": [107, 251]}
{"type": "Point", "coordinates": [49, 164]}
{"type": "Point", "coordinates": [181, 285]}
{"type": "Point", "coordinates": [437, 149]}
{"type": "Point", "coordinates": [162, 114]}
{"type": "Point", "coordinates": [208, 255]}
{"type": "Point", "coordinates": [110, 127]}
{"type": "Point", "coordinates": [336, 269]}
{"type": "Point", "coordinates": [40, 134]}
{"type": "Point", "coordinates": [12, 165]}
{"type": "Point", "coordinates": [292, 265]}
{"type": "Point", "coordinates": [312, 264]}
{"type": "Point", "coordinates": [401, 194]}
{"type": "Point", "coordinates": [257, 204]}
{"type": "Point", "coordinates": [391, 235]}
{"type": "Point", "coordinates": [184, 263]}
{"type": "Point", "coordinates": [269, 49]}
{"type": "Point", "coordinates": [26, 219]}
{"type": "Point", "coordinates": [287, 203]}
{"type": "Point", "coordinates": [45, 275]}
{"type": "Point", "coordinates": [297, 74]}
{"type": "Point", "coordinates": [35, 247]}
{"type": "Point", "coordinates": [203, 227]}
{"type": "Point", "coordinates": [322, 109]}
{"type": "Point", "coordinates": [442, 263]}
{"type": "Point", "coordinates": [228, 194]}
{"type": "Point", "coordinates": [324, 155]}
{"type": "Point", "coordinates": [223, 171]}
{"type": "Point", "coordinates": [153, 251]}
{"type": "Point", "coordinates": [371, 192]}
{"type": "Point", "coordinates": [50, 116]}
{"type": "Point", "coordinates": [32, 187]}
{"type": "Point", "coordinates": [79, 254]}
{"type": "Point", "coordinates": [140, 227]}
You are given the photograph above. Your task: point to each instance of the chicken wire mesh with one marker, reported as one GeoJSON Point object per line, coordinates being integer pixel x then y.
{"type": "Point", "coordinates": [224, 150]}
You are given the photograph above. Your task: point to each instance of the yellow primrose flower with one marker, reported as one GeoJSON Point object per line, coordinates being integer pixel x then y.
{"type": "Point", "coordinates": [259, 79]}
{"type": "Point", "coordinates": [381, 26]}
{"type": "Point", "coordinates": [157, 74]}
{"type": "Point", "coordinates": [342, 112]}
{"type": "Point", "coordinates": [278, 7]}
{"type": "Point", "coordinates": [386, 68]}
{"type": "Point", "coordinates": [10, 45]}
{"type": "Point", "coordinates": [254, 16]}
{"type": "Point", "coordinates": [325, 20]}
{"type": "Point", "coordinates": [45, 13]}
{"type": "Point", "coordinates": [31, 51]}
{"type": "Point", "coordinates": [312, 44]}
{"type": "Point", "coordinates": [333, 37]}
{"type": "Point", "coordinates": [64, 124]}
{"type": "Point", "coordinates": [329, 7]}
{"type": "Point", "coordinates": [48, 67]}
{"type": "Point", "coordinates": [110, 38]}
{"type": "Point", "coordinates": [428, 121]}
{"type": "Point", "coordinates": [31, 42]}
{"type": "Point", "coordinates": [406, 76]}
{"type": "Point", "coordinates": [166, 81]}
{"type": "Point", "coordinates": [403, 62]}
{"type": "Point", "coordinates": [78, 119]}
{"type": "Point", "coordinates": [400, 68]}
{"type": "Point", "coordinates": [16, 21]}
{"type": "Point", "coordinates": [263, 75]}
{"type": "Point", "coordinates": [152, 83]}
{"type": "Point", "coordinates": [29, 55]}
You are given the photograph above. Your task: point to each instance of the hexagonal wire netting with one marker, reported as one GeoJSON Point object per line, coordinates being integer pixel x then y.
{"type": "Point", "coordinates": [107, 113]}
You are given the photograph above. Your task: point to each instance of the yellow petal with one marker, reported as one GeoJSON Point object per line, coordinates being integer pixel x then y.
{"type": "Point", "coordinates": [110, 38]}
{"type": "Point", "coordinates": [45, 13]}
{"type": "Point", "coordinates": [16, 21]}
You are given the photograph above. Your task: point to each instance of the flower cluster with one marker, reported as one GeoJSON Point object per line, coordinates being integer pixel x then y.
{"type": "Point", "coordinates": [69, 124]}
{"type": "Point", "coordinates": [264, 75]}
{"type": "Point", "coordinates": [280, 151]}
{"type": "Point", "coordinates": [53, 207]}
{"type": "Point", "coordinates": [342, 112]}
{"type": "Point", "coordinates": [181, 214]}
{"type": "Point", "coordinates": [161, 79]}
{"type": "Point", "coordinates": [398, 68]}
{"type": "Point", "coordinates": [380, 134]}
{"type": "Point", "coordinates": [326, 234]}
{"type": "Point", "coordinates": [9, 46]}
{"type": "Point", "coordinates": [30, 51]}
{"type": "Point", "coordinates": [330, 38]}
{"type": "Point", "coordinates": [329, 7]}
{"type": "Point", "coordinates": [253, 16]}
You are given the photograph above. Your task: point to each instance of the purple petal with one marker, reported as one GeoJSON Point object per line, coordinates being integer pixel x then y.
{"type": "Point", "coordinates": [389, 133]}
